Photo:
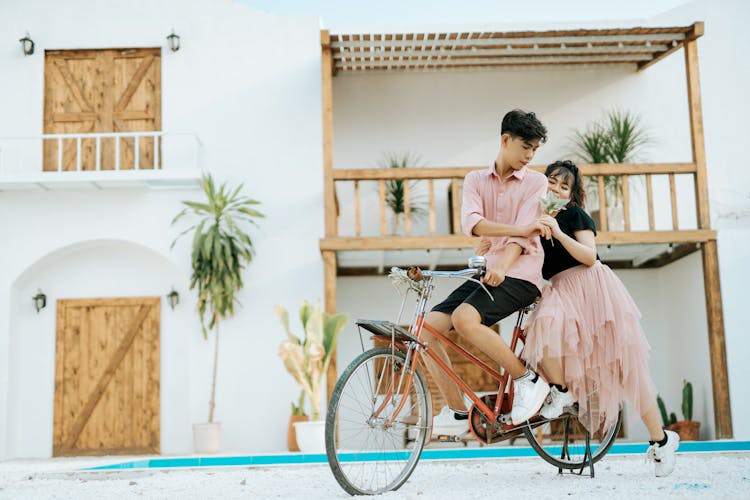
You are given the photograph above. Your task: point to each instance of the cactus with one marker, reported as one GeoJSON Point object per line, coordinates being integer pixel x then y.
{"type": "Point", "coordinates": [687, 400]}
{"type": "Point", "coordinates": [672, 418]}
{"type": "Point", "coordinates": [663, 410]}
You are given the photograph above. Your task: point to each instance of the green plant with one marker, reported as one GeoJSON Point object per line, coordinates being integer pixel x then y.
{"type": "Point", "coordinates": [307, 357]}
{"type": "Point", "coordinates": [687, 405]}
{"type": "Point", "coordinates": [619, 137]}
{"type": "Point", "coordinates": [299, 408]}
{"type": "Point", "coordinates": [221, 249]}
{"type": "Point", "coordinates": [395, 189]}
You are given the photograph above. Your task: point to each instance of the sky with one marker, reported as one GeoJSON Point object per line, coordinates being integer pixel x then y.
{"type": "Point", "coordinates": [360, 15]}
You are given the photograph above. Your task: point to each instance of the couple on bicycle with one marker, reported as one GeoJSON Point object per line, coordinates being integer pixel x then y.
{"type": "Point", "coordinates": [584, 336]}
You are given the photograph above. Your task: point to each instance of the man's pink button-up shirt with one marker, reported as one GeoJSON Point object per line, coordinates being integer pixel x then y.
{"type": "Point", "coordinates": [515, 200]}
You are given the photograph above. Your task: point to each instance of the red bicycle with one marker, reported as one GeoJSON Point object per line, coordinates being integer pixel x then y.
{"type": "Point", "coordinates": [379, 417]}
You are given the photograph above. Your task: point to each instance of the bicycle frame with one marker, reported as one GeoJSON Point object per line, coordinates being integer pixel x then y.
{"type": "Point", "coordinates": [415, 348]}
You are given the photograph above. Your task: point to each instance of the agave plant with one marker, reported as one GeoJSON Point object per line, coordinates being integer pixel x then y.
{"type": "Point", "coordinates": [395, 190]}
{"type": "Point", "coordinates": [221, 249]}
{"type": "Point", "coordinates": [307, 358]}
{"type": "Point", "coordinates": [618, 138]}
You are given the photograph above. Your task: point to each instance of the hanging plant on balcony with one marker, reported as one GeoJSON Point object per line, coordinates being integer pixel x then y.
{"type": "Point", "coordinates": [221, 249]}
{"type": "Point", "coordinates": [395, 190]}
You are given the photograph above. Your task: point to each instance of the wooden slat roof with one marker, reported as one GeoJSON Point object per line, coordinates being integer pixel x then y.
{"type": "Point", "coordinates": [377, 52]}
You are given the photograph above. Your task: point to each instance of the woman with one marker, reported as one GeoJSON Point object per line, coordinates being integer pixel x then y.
{"type": "Point", "coordinates": [585, 334]}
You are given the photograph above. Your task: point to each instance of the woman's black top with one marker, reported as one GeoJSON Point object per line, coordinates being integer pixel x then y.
{"type": "Point", "coordinates": [556, 258]}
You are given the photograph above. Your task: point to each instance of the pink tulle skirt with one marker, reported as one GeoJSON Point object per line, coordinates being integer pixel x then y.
{"type": "Point", "coordinates": [589, 324]}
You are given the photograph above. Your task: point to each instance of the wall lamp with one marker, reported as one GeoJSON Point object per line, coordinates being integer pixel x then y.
{"type": "Point", "coordinates": [40, 300]}
{"type": "Point", "coordinates": [174, 41]}
{"type": "Point", "coordinates": [27, 44]}
{"type": "Point", "coordinates": [173, 298]}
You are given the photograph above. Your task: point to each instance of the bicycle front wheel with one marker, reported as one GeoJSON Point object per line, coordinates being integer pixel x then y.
{"type": "Point", "coordinates": [378, 421]}
{"type": "Point", "coordinates": [563, 443]}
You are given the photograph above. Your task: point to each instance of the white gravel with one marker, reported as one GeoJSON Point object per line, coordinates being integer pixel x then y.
{"type": "Point", "coordinates": [715, 475]}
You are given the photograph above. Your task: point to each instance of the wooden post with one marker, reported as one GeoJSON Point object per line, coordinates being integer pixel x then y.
{"type": "Point", "coordinates": [329, 278]}
{"type": "Point", "coordinates": [711, 283]}
{"type": "Point", "coordinates": [329, 193]}
{"type": "Point", "coordinates": [329, 199]}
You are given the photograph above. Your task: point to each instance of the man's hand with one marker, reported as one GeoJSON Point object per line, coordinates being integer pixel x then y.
{"type": "Point", "coordinates": [535, 228]}
{"type": "Point", "coordinates": [493, 278]}
{"type": "Point", "coordinates": [484, 246]}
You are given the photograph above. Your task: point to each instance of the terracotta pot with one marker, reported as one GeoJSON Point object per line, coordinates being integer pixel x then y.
{"type": "Point", "coordinates": [688, 430]}
{"type": "Point", "coordinates": [291, 434]}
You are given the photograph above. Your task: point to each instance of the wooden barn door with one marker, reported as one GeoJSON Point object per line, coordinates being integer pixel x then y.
{"type": "Point", "coordinates": [107, 376]}
{"type": "Point", "coordinates": [113, 90]}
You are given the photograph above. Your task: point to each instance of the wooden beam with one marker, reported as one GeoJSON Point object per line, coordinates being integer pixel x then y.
{"type": "Point", "coordinates": [357, 224]}
{"type": "Point", "coordinates": [602, 203]}
{"type": "Point", "coordinates": [460, 172]}
{"type": "Point", "coordinates": [626, 201]}
{"type": "Point", "coordinates": [431, 190]}
{"type": "Point", "coordinates": [456, 241]}
{"type": "Point", "coordinates": [673, 199]}
{"type": "Point", "coordinates": [329, 200]}
{"type": "Point", "coordinates": [455, 207]}
{"type": "Point", "coordinates": [696, 133]}
{"type": "Point", "coordinates": [329, 292]}
{"type": "Point", "coordinates": [650, 202]}
{"type": "Point", "coordinates": [716, 342]}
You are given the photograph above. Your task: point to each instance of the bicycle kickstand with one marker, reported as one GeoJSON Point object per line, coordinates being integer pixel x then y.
{"type": "Point", "coordinates": [587, 457]}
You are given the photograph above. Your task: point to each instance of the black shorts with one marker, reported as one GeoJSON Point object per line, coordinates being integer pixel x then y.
{"type": "Point", "coordinates": [510, 296]}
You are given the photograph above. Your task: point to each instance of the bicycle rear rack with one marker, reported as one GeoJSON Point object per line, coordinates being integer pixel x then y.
{"type": "Point", "coordinates": [386, 329]}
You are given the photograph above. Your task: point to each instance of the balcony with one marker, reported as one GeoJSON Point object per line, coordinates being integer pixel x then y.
{"type": "Point", "coordinates": [156, 160]}
{"type": "Point", "coordinates": [654, 223]}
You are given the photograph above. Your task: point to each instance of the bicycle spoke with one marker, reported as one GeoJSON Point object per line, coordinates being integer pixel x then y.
{"type": "Point", "coordinates": [371, 449]}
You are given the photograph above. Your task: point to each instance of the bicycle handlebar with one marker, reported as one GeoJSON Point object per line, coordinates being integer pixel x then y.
{"type": "Point", "coordinates": [476, 267]}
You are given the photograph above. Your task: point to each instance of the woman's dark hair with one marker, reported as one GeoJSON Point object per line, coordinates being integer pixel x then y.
{"type": "Point", "coordinates": [566, 171]}
{"type": "Point", "coordinates": [519, 123]}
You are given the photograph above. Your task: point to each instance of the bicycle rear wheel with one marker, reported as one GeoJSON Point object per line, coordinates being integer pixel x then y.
{"type": "Point", "coordinates": [563, 448]}
{"type": "Point", "coordinates": [368, 453]}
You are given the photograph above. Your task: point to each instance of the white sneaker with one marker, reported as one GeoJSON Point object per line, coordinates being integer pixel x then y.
{"type": "Point", "coordinates": [445, 424]}
{"type": "Point", "coordinates": [556, 403]}
{"type": "Point", "coordinates": [528, 397]}
{"type": "Point", "coordinates": [664, 456]}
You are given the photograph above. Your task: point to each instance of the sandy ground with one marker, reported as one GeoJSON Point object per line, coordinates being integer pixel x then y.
{"type": "Point", "coordinates": [715, 475]}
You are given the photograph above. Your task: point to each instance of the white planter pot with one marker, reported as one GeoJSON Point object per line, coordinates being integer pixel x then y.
{"type": "Point", "coordinates": [206, 437]}
{"type": "Point", "coordinates": [311, 436]}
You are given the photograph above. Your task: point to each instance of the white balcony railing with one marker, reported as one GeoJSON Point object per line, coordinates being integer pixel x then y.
{"type": "Point", "coordinates": [113, 158]}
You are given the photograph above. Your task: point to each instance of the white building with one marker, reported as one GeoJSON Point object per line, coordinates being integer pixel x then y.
{"type": "Point", "coordinates": [241, 98]}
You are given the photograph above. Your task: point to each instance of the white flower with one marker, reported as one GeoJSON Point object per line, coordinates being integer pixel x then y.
{"type": "Point", "coordinates": [551, 203]}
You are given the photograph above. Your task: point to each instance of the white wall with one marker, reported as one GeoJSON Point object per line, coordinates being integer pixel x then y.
{"type": "Point", "coordinates": [248, 85]}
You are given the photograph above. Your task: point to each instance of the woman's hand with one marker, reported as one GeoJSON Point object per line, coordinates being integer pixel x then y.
{"type": "Point", "coordinates": [551, 223]}
{"type": "Point", "coordinates": [484, 246]}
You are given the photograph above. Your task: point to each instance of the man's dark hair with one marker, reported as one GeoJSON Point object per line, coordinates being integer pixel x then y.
{"type": "Point", "coordinates": [519, 123]}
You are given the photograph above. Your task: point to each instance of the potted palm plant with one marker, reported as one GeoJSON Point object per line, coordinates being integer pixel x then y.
{"type": "Point", "coordinates": [395, 191]}
{"type": "Point", "coordinates": [307, 358]}
{"type": "Point", "coordinates": [617, 138]}
{"type": "Point", "coordinates": [688, 429]}
{"type": "Point", "coordinates": [221, 249]}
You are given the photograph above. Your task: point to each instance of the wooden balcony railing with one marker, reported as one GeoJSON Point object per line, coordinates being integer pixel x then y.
{"type": "Point", "coordinates": [368, 229]}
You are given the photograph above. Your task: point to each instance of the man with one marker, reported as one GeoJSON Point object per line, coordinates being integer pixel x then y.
{"type": "Point", "coordinates": [502, 203]}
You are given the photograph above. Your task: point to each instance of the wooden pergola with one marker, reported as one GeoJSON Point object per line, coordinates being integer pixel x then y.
{"type": "Point", "coordinates": [637, 48]}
